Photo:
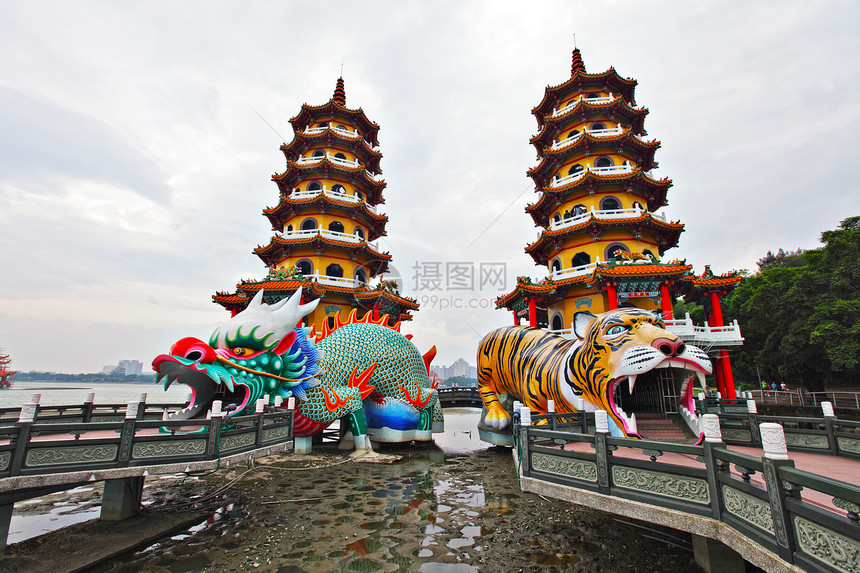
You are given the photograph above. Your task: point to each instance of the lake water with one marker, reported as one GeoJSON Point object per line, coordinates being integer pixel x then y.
{"type": "Point", "coordinates": [66, 393]}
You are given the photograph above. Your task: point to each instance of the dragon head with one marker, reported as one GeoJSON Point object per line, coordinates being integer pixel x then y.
{"type": "Point", "coordinates": [257, 352]}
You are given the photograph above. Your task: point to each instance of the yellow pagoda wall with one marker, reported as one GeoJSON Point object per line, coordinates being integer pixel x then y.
{"type": "Point", "coordinates": [323, 220]}
{"type": "Point", "coordinates": [585, 243]}
{"type": "Point", "coordinates": [587, 162]}
{"type": "Point", "coordinates": [320, 262]}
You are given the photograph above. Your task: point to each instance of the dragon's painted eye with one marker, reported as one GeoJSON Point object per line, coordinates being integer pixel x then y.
{"type": "Point", "coordinates": [240, 351]}
{"type": "Point", "coordinates": [616, 330]}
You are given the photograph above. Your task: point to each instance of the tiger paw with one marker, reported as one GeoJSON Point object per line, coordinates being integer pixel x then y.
{"type": "Point", "coordinates": [496, 417]}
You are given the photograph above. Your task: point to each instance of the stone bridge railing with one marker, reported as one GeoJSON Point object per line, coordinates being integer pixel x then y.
{"type": "Point", "coordinates": [459, 397]}
{"type": "Point", "coordinates": [53, 443]}
{"type": "Point", "coordinates": [745, 502]}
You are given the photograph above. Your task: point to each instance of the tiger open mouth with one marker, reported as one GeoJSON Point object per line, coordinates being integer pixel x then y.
{"type": "Point", "coordinates": [686, 365]}
{"type": "Point", "coordinates": [208, 382]}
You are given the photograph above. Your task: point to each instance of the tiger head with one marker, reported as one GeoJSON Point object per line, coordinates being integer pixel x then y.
{"type": "Point", "coordinates": [617, 347]}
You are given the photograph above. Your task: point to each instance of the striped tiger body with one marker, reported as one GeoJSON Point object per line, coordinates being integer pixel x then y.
{"type": "Point", "coordinates": [535, 366]}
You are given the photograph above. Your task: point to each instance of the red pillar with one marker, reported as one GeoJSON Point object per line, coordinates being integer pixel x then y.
{"type": "Point", "coordinates": [666, 302]}
{"type": "Point", "coordinates": [716, 310]}
{"type": "Point", "coordinates": [612, 295]}
{"type": "Point", "coordinates": [718, 374]}
{"type": "Point", "coordinates": [376, 311]}
{"type": "Point", "coordinates": [234, 312]}
{"type": "Point", "coordinates": [516, 319]}
{"type": "Point", "coordinates": [533, 312]}
{"type": "Point", "coordinates": [728, 379]}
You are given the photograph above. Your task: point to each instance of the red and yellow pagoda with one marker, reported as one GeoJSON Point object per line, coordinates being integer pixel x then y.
{"type": "Point", "coordinates": [326, 220]}
{"type": "Point", "coordinates": [602, 239]}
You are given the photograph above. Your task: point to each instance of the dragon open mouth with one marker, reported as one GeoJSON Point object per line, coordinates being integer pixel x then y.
{"type": "Point", "coordinates": [208, 382]}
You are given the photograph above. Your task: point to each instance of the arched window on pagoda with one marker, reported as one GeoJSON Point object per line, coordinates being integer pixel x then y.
{"type": "Point", "coordinates": [305, 267]}
{"type": "Point", "coordinates": [318, 153]}
{"type": "Point", "coordinates": [592, 95]}
{"type": "Point", "coordinates": [341, 126]}
{"type": "Point", "coordinates": [290, 228]}
{"type": "Point", "coordinates": [359, 233]}
{"type": "Point", "coordinates": [647, 252]}
{"type": "Point", "coordinates": [611, 251]}
{"type": "Point", "coordinates": [361, 276]}
{"type": "Point", "coordinates": [309, 224]}
{"type": "Point", "coordinates": [580, 258]}
{"type": "Point", "coordinates": [556, 265]}
{"type": "Point", "coordinates": [334, 270]}
{"type": "Point", "coordinates": [573, 133]}
{"type": "Point", "coordinates": [609, 204]}
{"type": "Point", "coordinates": [358, 194]}
{"type": "Point", "coordinates": [638, 205]}
{"type": "Point", "coordinates": [330, 321]}
{"type": "Point", "coordinates": [603, 162]}
{"type": "Point", "coordinates": [556, 218]}
{"type": "Point", "coordinates": [579, 210]}
{"type": "Point", "coordinates": [575, 169]}
{"type": "Point", "coordinates": [314, 186]}
{"type": "Point", "coordinates": [597, 125]}
{"type": "Point", "coordinates": [557, 322]}
{"type": "Point", "coordinates": [340, 155]}
{"type": "Point", "coordinates": [338, 188]}
{"type": "Point", "coordinates": [336, 226]}
{"type": "Point", "coordinates": [322, 124]}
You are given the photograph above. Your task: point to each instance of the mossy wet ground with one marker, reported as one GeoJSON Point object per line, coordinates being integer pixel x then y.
{"type": "Point", "coordinates": [428, 512]}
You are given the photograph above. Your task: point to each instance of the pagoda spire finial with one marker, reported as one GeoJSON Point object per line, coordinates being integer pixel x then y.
{"type": "Point", "coordinates": [576, 65]}
{"type": "Point", "coordinates": [340, 93]}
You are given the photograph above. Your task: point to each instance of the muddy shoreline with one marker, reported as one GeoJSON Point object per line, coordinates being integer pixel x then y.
{"type": "Point", "coordinates": [428, 512]}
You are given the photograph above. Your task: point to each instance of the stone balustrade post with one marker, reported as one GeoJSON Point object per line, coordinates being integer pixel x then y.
{"type": "Point", "coordinates": [601, 450]}
{"type": "Point", "coordinates": [710, 427]}
{"type": "Point", "coordinates": [88, 407]}
{"type": "Point", "coordinates": [25, 420]}
{"type": "Point", "coordinates": [278, 401]}
{"type": "Point", "coordinates": [141, 406]}
{"type": "Point", "coordinates": [550, 409]}
{"type": "Point", "coordinates": [829, 417]}
{"type": "Point", "coordinates": [216, 422]}
{"type": "Point", "coordinates": [752, 416]}
{"type": "Point", "coordinates": [775, 458]}
{"type": "Point", "coordinates": [127, 436]}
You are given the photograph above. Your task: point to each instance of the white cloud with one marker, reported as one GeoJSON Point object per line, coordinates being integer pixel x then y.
{"type": "Point", "coordinates": [134, 167]}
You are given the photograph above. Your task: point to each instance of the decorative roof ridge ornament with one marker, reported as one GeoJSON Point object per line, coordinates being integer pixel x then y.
{"type": "Point", "coordinates": [576, 66]}
{"type": "Point", "coordinates": [339, 93]}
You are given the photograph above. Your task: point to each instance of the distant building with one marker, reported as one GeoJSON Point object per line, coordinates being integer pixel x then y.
{"type": "Point", "coordinates": [459, 368]}
{"type": "Point", "coordinates": [125, 368]}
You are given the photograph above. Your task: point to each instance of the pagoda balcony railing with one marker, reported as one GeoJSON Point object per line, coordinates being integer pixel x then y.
{"type": "Point", "coordinates": [331, 158]}
{"type": "Point", "coordinates": [579, 271]}
{"type": "Point", "coordinates": [335, 281]}
{"type": "Point", "coordinates": [336, 235]}
{"type": "Point", "coordinates": [618, 130]}
{"type": "Point", "coordinates": [602, 214]}
{"type": "Point", "coordinates": [610, 170]}
{"type": "Point", "coordinates": [603, 99]}
{"type": "Point", "coordinates": [340, 130]}
{"type": "Point", "coordinates": [298, 194]}
{"type": "Point", "coordinates": [706, 336]}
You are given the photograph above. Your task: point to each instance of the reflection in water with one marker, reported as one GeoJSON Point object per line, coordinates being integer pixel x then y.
{"type": "Point", "coordinates": [455, 509]}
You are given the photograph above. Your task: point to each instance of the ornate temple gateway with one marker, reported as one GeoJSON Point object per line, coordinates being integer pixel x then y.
{"type": "Point", "coordinates": [602, 238]}
{"type": "Point", "coordinates": [325, 221]}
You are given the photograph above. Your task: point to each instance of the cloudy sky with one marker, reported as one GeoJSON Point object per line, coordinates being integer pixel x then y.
{"type": "Point", "coordinates": [135, 155]}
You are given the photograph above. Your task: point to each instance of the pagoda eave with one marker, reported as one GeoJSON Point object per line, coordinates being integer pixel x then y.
{"type": "Point", "coordinates": [330, 111]}
{"type": "Point", "coordinates": [280, 247]}
{"type": "Point", "coordinates": [302, 142]}
{"type": "Point", "coordinates": [579, 81]}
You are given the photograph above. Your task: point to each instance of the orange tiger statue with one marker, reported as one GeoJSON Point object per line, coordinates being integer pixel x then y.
{"type": "Point", "coordinates": [595, 370]}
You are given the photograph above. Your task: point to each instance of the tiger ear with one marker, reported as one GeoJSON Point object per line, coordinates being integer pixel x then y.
{"type": "Point", "coordinates": [581, 321]}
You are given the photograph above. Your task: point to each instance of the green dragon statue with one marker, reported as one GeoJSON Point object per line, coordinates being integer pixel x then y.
{"type": "Point", "coordinates": [361, 371]}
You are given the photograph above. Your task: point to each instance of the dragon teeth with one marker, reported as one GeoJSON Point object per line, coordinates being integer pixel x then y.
{"type": "Point", "coordinates": [631, 381]}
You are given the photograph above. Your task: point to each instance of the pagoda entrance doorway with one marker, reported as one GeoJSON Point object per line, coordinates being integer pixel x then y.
{"type": "Point", "coordinates": [655, 392]}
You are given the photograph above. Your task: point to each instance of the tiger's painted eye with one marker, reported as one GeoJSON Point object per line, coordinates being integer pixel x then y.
{"type": "Point", "coordinates": [616, 331]}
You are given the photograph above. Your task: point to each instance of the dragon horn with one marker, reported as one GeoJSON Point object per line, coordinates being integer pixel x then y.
{"type": "Point", "coordinates": [256, 301]}
{"type": "Point", "coordinates": [290, 312]}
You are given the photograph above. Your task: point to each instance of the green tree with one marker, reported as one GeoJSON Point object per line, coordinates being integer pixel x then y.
{"type": "Point", "coordinates": [801, 324]}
